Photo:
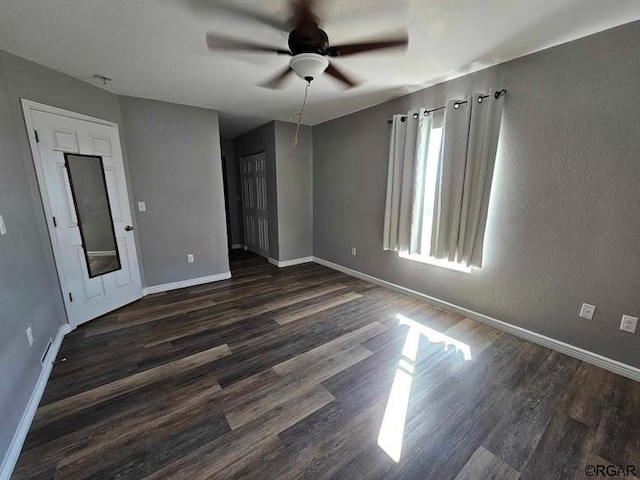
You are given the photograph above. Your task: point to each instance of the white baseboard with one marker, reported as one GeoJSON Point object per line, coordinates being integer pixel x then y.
{"type": "Point", "coordinates": [289, 263]}
{"type": "Point", "coordinates": [11, 457]}
{"type": "Point", "coordinates": [237, 246]}
{"type": "Point", "coordinates": [565, 348]}
{"type": "Point", "coordinates": [185, 283]}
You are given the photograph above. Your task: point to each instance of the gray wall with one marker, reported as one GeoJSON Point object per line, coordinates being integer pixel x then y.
{"type": "Point", "coordinates": [262, 139]}
{"type": "Point", "coordinates": [564, 218]}
{"type": "Point", "coordinates": [233, 182]}
{"type": "Point", "coordinates": [175, 165]}
{"type": "Point", "coordinates": [289, 186]}
{"type": "Point", "coordinates": [29, 291]}
{"type": "Point", "coordinates": [294, 175]}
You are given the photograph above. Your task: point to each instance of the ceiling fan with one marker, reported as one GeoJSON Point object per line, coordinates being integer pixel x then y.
{"type": "Point", "coordinates": [309, 45]}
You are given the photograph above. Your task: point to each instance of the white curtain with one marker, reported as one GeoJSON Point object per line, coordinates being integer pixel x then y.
{"type": "Point", "coordinates": [405, 181]}
{"type": "Point", "coordinates": [417, 208]}
{"type": "Point", "coordinates": [450, 182]}
{"type": "Point", "coordinates": [394, 183]}
{"type": "Point", "coordinates": [465, 174]}
{"type": "Point", "coordinates": [481, 158]}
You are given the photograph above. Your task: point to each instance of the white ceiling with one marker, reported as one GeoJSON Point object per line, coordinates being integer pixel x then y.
{"type": "Point", "coordinates": [156, 49]}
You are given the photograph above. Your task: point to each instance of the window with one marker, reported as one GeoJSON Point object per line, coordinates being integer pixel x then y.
{"type": "Point", "coordinates": [439, 179]}
{"type": "Point", "coordinates": [431, 176]}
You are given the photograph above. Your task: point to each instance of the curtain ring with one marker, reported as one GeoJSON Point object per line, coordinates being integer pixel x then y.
{"type": "Point", "coordinates": [479, 99]}
{"type": "Point", "coordinates": [403, 119]}
{"type": "Point", "coordinates": [456, 106]}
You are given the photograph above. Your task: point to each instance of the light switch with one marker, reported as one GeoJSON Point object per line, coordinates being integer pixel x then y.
{"type": "Point", "coordinates": [142, 207]}
{"type": "Point", "coordinates": [191, 258]}
{"type": "Point", "coordinates": [3, 227]}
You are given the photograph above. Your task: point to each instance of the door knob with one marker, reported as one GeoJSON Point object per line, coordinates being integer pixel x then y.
{"type": "Point", "coordinates": [128, 228]}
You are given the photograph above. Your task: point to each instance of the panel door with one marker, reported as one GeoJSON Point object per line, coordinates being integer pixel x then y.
{"type": "Point", "coordinates": [254, 203]}
{"type": "Point", "coordinates": [88, 293]}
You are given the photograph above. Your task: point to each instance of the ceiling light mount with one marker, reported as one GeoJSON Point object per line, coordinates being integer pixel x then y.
{"type": "Point", "coordinates": [102, 79]}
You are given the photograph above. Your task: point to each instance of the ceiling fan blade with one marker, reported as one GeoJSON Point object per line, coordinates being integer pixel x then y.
{"type": "Point", "coordinates": [276, 81]}
{"type": "Point", "coordinates": [340, 75]}
{"type": "Point", "coordinates": [218, 42]}
{"type": "Point", "coordinates": [217, 7]}
{"type": "Point", "coordinates": [353, 48]}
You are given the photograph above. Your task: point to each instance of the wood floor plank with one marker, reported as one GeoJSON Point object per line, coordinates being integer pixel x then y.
{"type": "Point", "coordinates": [485, 465]}
{"type": "Point", "coordinates": [267, 460]}
{"type": "Point", "coordinates": [151, 314]}
{"type": "Point", "coordinates": [306, 360]}
{"type": "Point", "coordinates": [290, 373]}
{"type": "Point", "coordinates": [516, 436]}
{"type": "Point", "coordinates": [475, 334]}
{"type": "Point", "coordinates": [323, 459]}
{"type": "Point", "coordinates": [293, 299]}
{"type": "Point", "coordinates": [371, 463]}
{"type": "Point", "coordinates": [63, 407]}
{"type": "Point", "coordinates": [560, 450]}
{"type": "Point", "coordinates": [588, 395]}
{"type": "Point", "coordinates": [238, 314]}
{"type": "Point", "coordinates": [292, 384]}
{"type": "Point", "coordinates": [617, 437]}
{"type": "Point", "coordinates": [205, 461]}
{"type": "Point", "coordinates": [144, 450]}
{"type": "Point", "coordinates": [459, 424]}
{"type": "Point", "coordinates": [371, 384]}
{"type": "Point", "coordinates": [548, 385]}
{"type": "Point", "coordinates": [319, 307]}
{"type": "Point", "coordinates": [116, 419]}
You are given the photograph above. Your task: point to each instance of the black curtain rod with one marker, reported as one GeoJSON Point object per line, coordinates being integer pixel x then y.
{"type": "Point", "coordinates": [497, 95]}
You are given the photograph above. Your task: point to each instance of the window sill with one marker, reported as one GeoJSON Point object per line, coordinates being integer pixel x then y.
{"type": "Point", "coordinates": [436, 262]}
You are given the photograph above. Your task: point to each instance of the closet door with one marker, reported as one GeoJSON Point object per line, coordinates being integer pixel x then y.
{"type": "Point", "coordinates": [254, 203]}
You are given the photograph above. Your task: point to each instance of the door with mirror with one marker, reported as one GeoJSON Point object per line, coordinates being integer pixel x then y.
{"type": "Point", "coordinates": [82, 181]}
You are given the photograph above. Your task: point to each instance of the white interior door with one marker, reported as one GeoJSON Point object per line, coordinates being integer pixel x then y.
{"type": "Point", "coordinates": [254, 203]}
{"type": "Point", "coordinates": [82, 181]}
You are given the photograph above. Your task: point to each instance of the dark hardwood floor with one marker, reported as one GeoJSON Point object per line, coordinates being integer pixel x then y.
{"type": "Point", "coordinates": [304, 372]}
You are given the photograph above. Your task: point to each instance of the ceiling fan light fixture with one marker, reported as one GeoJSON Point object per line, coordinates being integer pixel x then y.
{"type": "Point", "coordinates": [308, 65]}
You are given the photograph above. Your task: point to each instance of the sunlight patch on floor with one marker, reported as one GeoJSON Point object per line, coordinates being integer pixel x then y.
{"type": "Point", "coordinates": [436, 337]}
{"type": "Point", "coordinates": [391, 435]}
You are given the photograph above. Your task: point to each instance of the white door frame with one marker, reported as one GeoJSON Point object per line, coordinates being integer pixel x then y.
{"type": "Point", "coordinates": [27, 107]}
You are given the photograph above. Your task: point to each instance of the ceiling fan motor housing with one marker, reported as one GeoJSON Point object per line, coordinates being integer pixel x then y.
{"type": "Point", "coordinates": [308, 65]}
{"type": "Point", "coordinates": [308, 38]}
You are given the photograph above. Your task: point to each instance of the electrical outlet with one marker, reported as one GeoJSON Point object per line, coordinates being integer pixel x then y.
{"type": "Point", "coordinates": [191, 258]}
{"type": "Point", "coordinates": [629, 324]}
{"type": "Point", "coordinates": [29, 336]}
{"type": "Point", "coordinates": [587, 311]}
{"type": "Point", "coordinates": [354, 252]}
{"type": "Point", "coordinates": [142, 207]}
{"type": "Point", "coordinates": [3, 227]}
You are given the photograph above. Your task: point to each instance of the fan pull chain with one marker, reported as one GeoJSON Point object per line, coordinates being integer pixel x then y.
{"type": "Point", "coordinates": [298, 116]}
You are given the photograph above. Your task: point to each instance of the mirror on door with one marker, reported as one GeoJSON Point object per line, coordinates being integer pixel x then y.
{"type": "Point", "coordinates": [89, 190]}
